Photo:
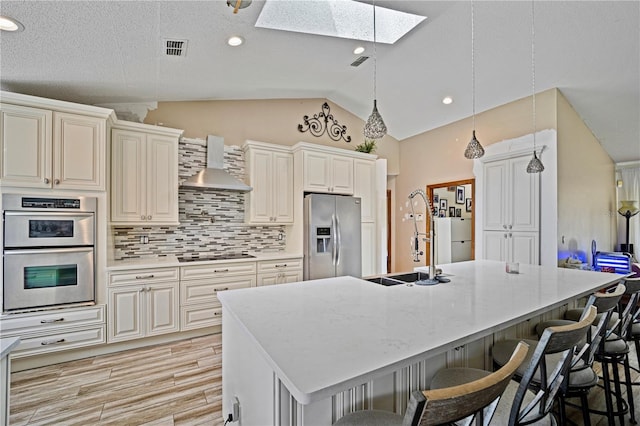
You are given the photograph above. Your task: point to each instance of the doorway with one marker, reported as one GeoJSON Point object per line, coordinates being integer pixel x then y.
{"type": "Point", "coordinates": [462, 196]}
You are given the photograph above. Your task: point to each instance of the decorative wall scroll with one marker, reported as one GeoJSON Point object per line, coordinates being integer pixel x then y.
{"type": "Point", "coordinates": [319, 124]}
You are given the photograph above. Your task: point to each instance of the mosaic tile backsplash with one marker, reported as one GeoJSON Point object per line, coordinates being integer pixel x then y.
{"type": "Point", "coordinates": [211, 221]}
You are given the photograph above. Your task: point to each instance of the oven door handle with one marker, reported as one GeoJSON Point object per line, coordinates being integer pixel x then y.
{"type": "Point", "coordinates": [54, 214]}
{"type": "Point", "coordinates": [49, 250]}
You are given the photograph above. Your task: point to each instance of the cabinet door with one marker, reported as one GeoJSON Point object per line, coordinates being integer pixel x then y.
{"type": "Point", "coordinates": [282, 187]}
{"type": "Point", "coordinates": [162, 179]}
{"type": "Point", "coordinates": [262, 196]}
{"type": "Point", "coordinates": [317, 170]}
{"type": "Point", "coordinates": [496, 189]}
{"type": "Point", "coordinates": [368, 236]}
{"type": "Point", "coordinates": [79, 152]}
{"type": "Point", "coordinates": [342, 175]}
{"type": "Point", "coordinates": [25, 146]}
{"type": "Point", "coordinates": [163, 309]}
{"type": "Point", "coordinates": [495, 245]}
{"type": "Point", "coordinates": [524, 201]}
{"type": "Point", "coordinates": [125, 313]}
{"type": "Point", "coordinates": [364, 186]}
{"type": "Point", "coordinates": [268, 279]}
{"type": "Point", "coordinates": [290, 277]}
{"type": "Point", "coordinates": [128, 176]}
{"type": "Point", "coordinates": [524, 247]}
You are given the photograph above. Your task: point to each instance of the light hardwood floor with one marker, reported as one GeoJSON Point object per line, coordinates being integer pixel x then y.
{"type": "Point", "coordinates": [172, 384]}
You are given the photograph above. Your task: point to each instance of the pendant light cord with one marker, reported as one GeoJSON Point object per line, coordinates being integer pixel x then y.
{"type": "Point", "coordinates": [473, 70]}
{"type": "Point", "coordinates": [533, 71]}
{"type": "Point", "coordinates": [375, 54]}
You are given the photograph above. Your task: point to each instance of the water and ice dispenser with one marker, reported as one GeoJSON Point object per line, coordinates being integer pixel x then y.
{"type": "Point", "coordinates": [323, 239]}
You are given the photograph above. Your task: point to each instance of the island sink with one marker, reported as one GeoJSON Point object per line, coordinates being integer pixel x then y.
{"type": "Point", "coordinates": [397, 279]}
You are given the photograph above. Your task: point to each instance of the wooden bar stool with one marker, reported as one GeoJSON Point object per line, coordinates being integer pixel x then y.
{"type": "Point", "coordinates": [545, 372]}
{"type": "Point", "coordinates": [444, 406]}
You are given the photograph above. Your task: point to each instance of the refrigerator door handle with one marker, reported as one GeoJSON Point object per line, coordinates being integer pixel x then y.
{"type": "Point", "coordinates": [334, 245]}
{"type": "Point", "coordinates": [338, 239]}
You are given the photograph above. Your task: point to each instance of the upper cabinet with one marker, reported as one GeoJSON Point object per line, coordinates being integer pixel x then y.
{"type": "Point", "coordinates": [52, 144]}
{"type": "Point", "coordinates": [270, 173]}
{"type": "Point", "coordinates": [326, 172]}
{"type": "Point", "coordinates": [144, 174]}
{"type": "Point", "coordinates": [511, 196]}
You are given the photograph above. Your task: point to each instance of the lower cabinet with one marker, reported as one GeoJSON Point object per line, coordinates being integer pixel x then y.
{"type": "Point", "coordinates": [200, 285]}
{"type": "Point", "coordinates": [280, 271]}
{"type": "Point", "coordinates": [521, 247]}
{"type": "Point", "coordinates": [53, 331]}
{"type": "Point", "coordinates": [147, 308]}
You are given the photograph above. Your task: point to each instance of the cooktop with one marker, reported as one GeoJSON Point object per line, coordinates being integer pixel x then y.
{"type": "Point", "coordinates": [205, 257]}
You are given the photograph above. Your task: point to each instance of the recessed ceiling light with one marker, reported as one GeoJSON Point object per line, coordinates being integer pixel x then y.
{"type": "Point", "coordinates": [358, 50]}
{"type": "Point", "coordinates": [10, 24]}
{"type": "Point", "coordinates": [447, 100]}
{"type": "Point", "coordinates": [235, 41]}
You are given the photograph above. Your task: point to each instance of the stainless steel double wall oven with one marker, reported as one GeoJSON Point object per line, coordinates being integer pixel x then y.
{"type": "Point", "coordinates": [48, 251]}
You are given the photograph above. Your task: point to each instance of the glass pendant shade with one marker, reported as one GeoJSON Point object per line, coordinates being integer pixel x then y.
{"type": "Point", "coordinates": [474, 149]}
{"type": "Point", "coordinates": [535, 165]}
{"type": "Point", "coordinates": [375, 127]}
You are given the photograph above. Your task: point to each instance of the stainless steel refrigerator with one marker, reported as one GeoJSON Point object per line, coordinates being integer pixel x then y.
{"type": "Point", "coordinates": [332, 236]}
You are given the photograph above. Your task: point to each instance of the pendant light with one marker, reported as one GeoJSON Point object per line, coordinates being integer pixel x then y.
{"type": "Point", "coordinates": [474, 149]}
{"type": "Point", "coordinates": [535, 165]}
{"type": "Point", "coordinates": [374, 128]}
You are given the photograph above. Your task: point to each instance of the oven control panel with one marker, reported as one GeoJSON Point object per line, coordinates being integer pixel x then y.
{"type": "Point", "coordinates": [50, 203]}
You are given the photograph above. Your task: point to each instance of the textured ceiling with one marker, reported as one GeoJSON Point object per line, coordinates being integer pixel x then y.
{"type": "Point", "coordinates": [100, 52]}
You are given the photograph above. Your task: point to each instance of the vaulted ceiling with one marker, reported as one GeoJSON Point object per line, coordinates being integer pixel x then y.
{"type": "Point", "coordinates": [99, 52]}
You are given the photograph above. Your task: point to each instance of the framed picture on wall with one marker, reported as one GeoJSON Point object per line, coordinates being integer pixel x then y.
{"type": "Point", "coordinates": [468, 205]}
{"type": "Point", "coordinates": [459, 194]}
{"type": "Point", "coordinates": [436, 199]}
{"type": "Point", "coordinates": [443, 213]}
{"type": "Point", "coordinates": [452, 212]}
{"type": "Point", "coordinates": [443, 203]}
{"type": "Point", "coordinates": [458, 212]}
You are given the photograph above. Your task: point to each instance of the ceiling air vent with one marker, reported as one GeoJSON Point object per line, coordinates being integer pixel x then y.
{"type": "Point", "coordinates": [359, 61]}
{"type": "Point", "coordinates": [175, 47]}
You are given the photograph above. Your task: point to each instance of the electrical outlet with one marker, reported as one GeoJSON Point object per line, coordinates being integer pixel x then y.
{"type": "Point", "coordinates": [280, 236]}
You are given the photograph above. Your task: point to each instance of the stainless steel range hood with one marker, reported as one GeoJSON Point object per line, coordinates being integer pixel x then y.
{"type": "Point", "coordinates": [214, 176]}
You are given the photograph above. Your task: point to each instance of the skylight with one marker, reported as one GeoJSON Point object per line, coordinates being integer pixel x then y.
{"type": "Point", "coordinates": [337, 18]}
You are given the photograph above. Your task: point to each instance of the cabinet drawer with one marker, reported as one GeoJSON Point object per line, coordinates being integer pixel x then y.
{"type": "Point", "coordinates": [204, 291]}
{"type": "Point", "coordinates": [200, 316]}
{"type": "Point", "coordinates": [291, 264]}
{"type": "Point", "coordinates": [51, 320]}
{"type": "Point", "coordinates": [138, 276]}
{"type": "Point", "coordinates": [54, 342]}
{"type": "Point", "coordinates": [218, 270]}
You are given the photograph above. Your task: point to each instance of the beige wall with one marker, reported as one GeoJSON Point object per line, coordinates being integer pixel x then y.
{"type": "Point", "coordinates": [438, 156]}
{"type": "Point", "coordinates": [586, 185]}
{"type": "Point", "coordinates": [273, 120]}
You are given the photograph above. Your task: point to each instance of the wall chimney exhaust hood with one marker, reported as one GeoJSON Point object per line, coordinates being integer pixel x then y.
{"type": "Point", "coordinates": [214, 176]}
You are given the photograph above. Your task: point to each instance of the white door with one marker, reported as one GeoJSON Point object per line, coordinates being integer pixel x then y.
{"type": "Point", "coordinates": [262, 182]}
{"type": "Point", "coordinates": [25, 146]}
{"type": "Point", "coordinates": [496, 190]}
{"type": "Point", "coordinates": [342, 175]}
{"type": "Point", "coordinates": [128, 176]}
{"type": "Point", "coordinates": [162, 186]}
{"type": "Point", "coordinates": [495, 245]}
{"type": "Point", "coordinates": [162, 308]}
{"type": "Point", "coordinates": [79, 152]}
{"type": "Point", "coordinates": [125, 313]}
{"type": "Point", "coordinates": [524, 197]}
{"type": "Point", "coordinates": [524, 247]}
{"type": "Point", "coordinates": [317, 171]}
{"type": "Point", "coordinates": [282, 190]}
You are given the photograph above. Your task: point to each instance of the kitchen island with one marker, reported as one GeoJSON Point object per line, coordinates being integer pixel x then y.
{"type": "Point", "coordinates": [310, 352]}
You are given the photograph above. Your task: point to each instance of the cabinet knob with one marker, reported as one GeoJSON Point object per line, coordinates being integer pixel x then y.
{"type": "Point", "coordinates": [46, 180]}
{"type": "Point", "coordinates": [56, 181]}
{"type": "Point", "coordinates": [142, 217]}
{"type": "Point", "coordinates": [149, 217]}
{"type": "Point", "coordinates": [510, 226]}
{"type": "Point", "coordinates": [504, 226]}
{"type": "Point", "coordinates": [505, 235]}
{"type": "Point", "coordinates": [510, 235]}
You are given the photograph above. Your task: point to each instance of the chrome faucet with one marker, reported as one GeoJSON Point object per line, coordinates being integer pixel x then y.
{"type": "Point", "coordinates": [415, 249]}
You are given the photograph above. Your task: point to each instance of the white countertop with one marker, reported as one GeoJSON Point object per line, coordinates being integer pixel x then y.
{"type": "Point", "coordinates": [7, 344]}
{"type": "Point", "coordinates": [172, 261]}
{"type": "Point", "coordinates": [324, 336]}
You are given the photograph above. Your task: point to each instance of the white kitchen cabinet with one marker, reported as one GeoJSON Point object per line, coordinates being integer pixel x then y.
{"type": "Point", "coordinates": [270, 173]}
{"type": "Point", "coordinates": [144, 176]}
{"type": "Point", "coordinates": [143, 303]}
{"type": "Point", "coordinates": [51, 149]}
{"type": "Point", "coordinates": [511, 196]}
{"type": "Point", "coordinates": [364, 186]}
{"type": "Point", "coordinates": [281, 271]}
{"type": "Point", "coordinates": [52, 331]}
{"type": "Point", "coordinates": [324, 172]}
{"type": "Point", "coordinates": [368, 236]}
{"type": "Point", "coordinates": [521, 247]}
{"type": "Point", "coordinates": [199, 288]}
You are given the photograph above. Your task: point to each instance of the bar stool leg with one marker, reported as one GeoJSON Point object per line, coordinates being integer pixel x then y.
{"type": "Point", "coordinates": [607, 392]}
{"type": "Point", "coordinates": [618, 388]}
{"type": "Point", "coordinates": [627, 377]}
